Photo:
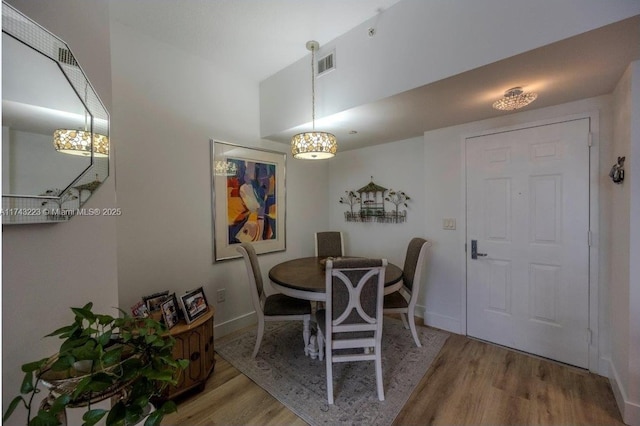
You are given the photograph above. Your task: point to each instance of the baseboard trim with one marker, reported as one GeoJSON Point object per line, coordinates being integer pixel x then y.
{"type": "Point", "coordinates": [227, 327]}
{"type": "Point", "coordinates": [442, 322]}
{"type": "Point", "coordinates": [630, 411]}
{"type": "Point", "coordinates": [603, 366]}
{"type": "Point", "coordinates": [632, 414]}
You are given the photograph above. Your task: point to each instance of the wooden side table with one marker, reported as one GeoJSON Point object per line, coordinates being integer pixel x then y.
{"type": "Point", "coordinates": [194, 342]}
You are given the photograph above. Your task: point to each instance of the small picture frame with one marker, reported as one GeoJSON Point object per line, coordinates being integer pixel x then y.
{"type": "Point", "coordinates": [140, 310]}
{"type": "Point", "coordinates": [170, 311]}
{"type": "Point", "coordinates": [153, 301]}
{"type": "Point", "coordinates": [194, 304]}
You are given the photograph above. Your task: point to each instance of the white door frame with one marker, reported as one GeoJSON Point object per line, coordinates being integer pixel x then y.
{"type": "Point", "coordinates": [595, 364]}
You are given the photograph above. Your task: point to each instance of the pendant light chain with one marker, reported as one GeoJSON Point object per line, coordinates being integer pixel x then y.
{"type": "Point", "coordinates": [313, 89]}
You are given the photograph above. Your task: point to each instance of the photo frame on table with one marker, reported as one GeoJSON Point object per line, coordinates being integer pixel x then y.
{"type": "Point", "coordinates": [248, 199]}
{"type": "Point", "coordinates": [140, 310]}
{"type": "Point", "coordinates": [170, 310]}
{"type": "Point", "coordinates": [194, 304]}
{"type": "Point", "coordinates": [153, 301]}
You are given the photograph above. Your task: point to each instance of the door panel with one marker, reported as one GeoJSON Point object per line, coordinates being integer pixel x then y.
{"type": "Point", "coordinates": [528, 208]}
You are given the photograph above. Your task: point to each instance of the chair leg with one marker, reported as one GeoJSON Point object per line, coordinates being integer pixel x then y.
{"type": "Point", "coordinates": [329, 376]}
{"type": "Point", "coordinates": [320, 340]}
{"type": "Point", "coordinates": [379, 373]}
{"type": "Point", "coordinates": [404, 320]}
{"type": "Point", "coordinates": [258, 338]}
{"type": "Point", "coordinates": [414, 332]}
{"type": "Point", "coordinates": [306, 333]}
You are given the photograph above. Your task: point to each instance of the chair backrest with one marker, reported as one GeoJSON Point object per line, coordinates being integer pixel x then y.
{"type": "Point", "coordinates": [413, 262]}
{"type": "Point", "coordinates": [329, 243]}
{"type": "Point", "coordinates": [256, 286]}
{"type": "Point", "coordinates": [355, 289]}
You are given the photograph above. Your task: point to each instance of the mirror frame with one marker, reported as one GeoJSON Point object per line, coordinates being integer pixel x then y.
{"type": "Point", "coordinates": [56, 206]}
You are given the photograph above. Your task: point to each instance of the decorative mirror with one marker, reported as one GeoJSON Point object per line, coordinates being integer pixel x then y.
{"type": "Point", "coordinates": [55, 129]}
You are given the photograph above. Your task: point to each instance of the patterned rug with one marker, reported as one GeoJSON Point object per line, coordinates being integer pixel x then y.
{"type": "Point", "coordinates": [299, 382]}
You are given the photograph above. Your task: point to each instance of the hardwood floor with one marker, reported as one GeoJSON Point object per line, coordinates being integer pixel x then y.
{"type": "Point", "coordinates": [474, 383]}
{"type": "Point", "coordinates": [469, 383]}
{"type": "Point", "coordinates": [231, 398]}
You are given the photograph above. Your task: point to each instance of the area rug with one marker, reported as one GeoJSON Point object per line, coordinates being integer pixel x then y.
{"type": "Point", "coordinates": [299, 382]}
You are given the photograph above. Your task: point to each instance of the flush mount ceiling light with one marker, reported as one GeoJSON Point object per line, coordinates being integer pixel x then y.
{"type": "Point", "coordinates": [514, 98]}
{"type": "Point", "coordinates": [313, 145]}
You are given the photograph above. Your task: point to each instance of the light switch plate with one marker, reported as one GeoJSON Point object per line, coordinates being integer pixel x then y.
{"type": "Point", "coordinates": [449, 224]}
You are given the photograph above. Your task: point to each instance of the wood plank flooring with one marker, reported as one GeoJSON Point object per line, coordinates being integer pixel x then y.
{"type": "Point", "coordinates": [469, 383]}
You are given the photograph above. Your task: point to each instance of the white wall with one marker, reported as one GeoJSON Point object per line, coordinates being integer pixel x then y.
{"type": "Point", "coordinates": [48, 268]}
{"type": "Point", "coordinates": [632, 411]}
{"type": "Point", "coordinates": [167, 104]}
{"type": "Point", "coordinates": [419, 42]}
{"type": "Point", "coordinates": [625, 250]}
{"type": "Point", "coordinates": [399, 166]}
{"type": "Point", "coordinates": [619, 243]}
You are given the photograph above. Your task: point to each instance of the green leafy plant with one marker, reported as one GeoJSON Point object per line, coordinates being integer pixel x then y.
{"type": "Point", "coordinates": [126, 356]}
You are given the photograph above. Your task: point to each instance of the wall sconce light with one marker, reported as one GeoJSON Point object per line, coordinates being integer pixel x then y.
{"type": "Point", "coordinates": [617, 171]}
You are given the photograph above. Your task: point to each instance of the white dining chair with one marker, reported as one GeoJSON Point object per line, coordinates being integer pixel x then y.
{"type": "Point", "coordinates": [329, 243]}
{"type": "Point", "coordinates": [276, 307]}
{"type": "Point", "coordinates": [352, 318]}
{"type": "Point", "coordinates": [404, 300]}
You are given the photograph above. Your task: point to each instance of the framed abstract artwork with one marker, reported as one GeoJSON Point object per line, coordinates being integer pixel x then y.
{"type": "Point", "coordinates": [248, 199]}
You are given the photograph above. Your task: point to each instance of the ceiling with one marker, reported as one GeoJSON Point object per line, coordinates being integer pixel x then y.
{"type": "Point", "coordinates": [254, 38]}
{"type": "Point", "coordinates": [580, 67]}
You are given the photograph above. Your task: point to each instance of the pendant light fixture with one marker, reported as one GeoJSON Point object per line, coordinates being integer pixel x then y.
{"type": "Point", "coordinates": [514, 98]}
{"type": "Point", "coordinates": [79, 142]}
{"type": "Point", "coordinates": [313, 145]}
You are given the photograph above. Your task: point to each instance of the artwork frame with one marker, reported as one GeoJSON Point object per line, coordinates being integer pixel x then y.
{"type": "Point", "coordinates": [153, 301]}
{"type": "Point", "coordinates": [170, 311]}
{"type": "Point", "coordinates": [194, 304]}
{"type": "Point", "coordinates": [248, 199]}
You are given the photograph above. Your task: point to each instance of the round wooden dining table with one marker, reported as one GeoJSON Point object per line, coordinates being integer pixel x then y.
{"type": "Point", "coordinates": [304, 278]}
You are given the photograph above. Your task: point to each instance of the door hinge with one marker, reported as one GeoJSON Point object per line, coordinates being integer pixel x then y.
{"type": "Point", "coordinates": [590, 139]}
{"type": "Point", "coordinates": [589, 238]}
{"type": "Point", "coordinates": [589, 336]}
{"type": "Point", "coordinates": [465, 247]}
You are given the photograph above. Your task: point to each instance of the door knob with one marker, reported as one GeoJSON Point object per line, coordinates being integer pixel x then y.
{"type": "Point", "coordinates": [474, 250]}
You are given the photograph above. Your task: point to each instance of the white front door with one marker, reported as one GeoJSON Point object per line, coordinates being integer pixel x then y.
{"type": "Point", "coordinates": [527, 195]}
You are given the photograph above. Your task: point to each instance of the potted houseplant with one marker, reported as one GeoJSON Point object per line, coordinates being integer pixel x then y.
{"type": "Point", "coordinates": [103, 356]}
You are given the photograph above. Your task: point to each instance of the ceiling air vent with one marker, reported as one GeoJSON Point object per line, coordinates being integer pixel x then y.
{"type": "Point", "coordinates": [66, 57]}
{"type": "Point", "coordinates": [326, 63]}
